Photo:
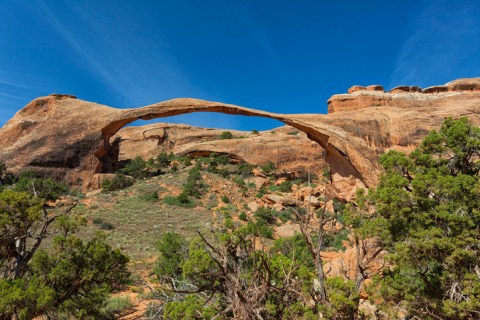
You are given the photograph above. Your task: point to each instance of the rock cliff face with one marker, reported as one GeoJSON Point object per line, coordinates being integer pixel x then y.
{"type": "Point", "coordinates": [77, 139]}
{"type": "Point", "coordinates": [288, 148]}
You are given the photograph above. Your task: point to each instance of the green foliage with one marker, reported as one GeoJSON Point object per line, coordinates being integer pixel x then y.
{"type": "Point", "coordinates": [294, 247]}
{"type": "Point", "coordinates": [225, 199]}
{"type": "Point", "coordinates": [243, 216]}
{"type": "Point", "coordinates": [261, 229]}
{"type": "Point", "coordinates": [240, 182]}
{"type": "Point", "coordinates": [181, 200]}
{"type": "Point", "coordinates": [223, 159]}
{"type": "Point", "coordinates": [164, 159]}
{"type": "Point", "coordinates": [194, 185]}
{"type": "Point", "coordinates": [173, 250]}
{"type": "Point", "coordinates": [152, 196]}
{"type": "Point", "coordinates": [106, 226]}
{"type": "Point", "coordinates": [45, 188]}
{"type": "Point", "coordinates": [186, 161]}
{"type": "Point", "coordinates": [343, 298]}
{"type": "Point", "coordinates": [191, 308]}
{"type": "Point", "coordinates": [118, 182]}
{"type": "Point", "coordinates": [135, 168]}
{"type": "Point", "coordinates": [226, 274]}
{"type": "Point", "coordinates": [265, 215]}
{"type": "Point", "coordinates": [115, 305]}
{"type": "Point", "coordinates": [285, 186]}
{"type": "Point", "coordinates": [268, 167]}
{"type": "Point", "coordinates": [427, 217]}
{"type": "Point", "coordinates": [74, 277]}
{"type": "Point", "coordinates": [245, 170]}
{"type": "Point", "coordinates": [333, 240]}
{"type": "Point", "coordinates": [254, 131]}
{"type": "Point", "coordinates": [226, 135]}
{"type": "Point", "coordinates": [97, 221]}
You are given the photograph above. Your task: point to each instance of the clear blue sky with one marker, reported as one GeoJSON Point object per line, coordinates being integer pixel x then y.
{"type": "Point", "coordinates": [281, 56]}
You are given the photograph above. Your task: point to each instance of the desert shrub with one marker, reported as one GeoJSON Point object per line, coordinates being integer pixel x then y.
{"type": "Point", "coordinates": [135, 168]}
{"type": "Point", "coordinates": [185, 160]}
{"type": "Point", "coordinates": [240, 182]}
{"type": "Point", "coordinates": [261, 229]}
{"type": "Point", "coordinates": [254, 131]}
{"type": "Point", "coordinates": [173, 250]}
{"type": "Point", "coordinates": [152, 196]}
{"type": "Point", "coordinates": [334, 240]}
{"type": "Point", "coordinates": [194, 185]}
{"type": "Point", "coordinates": [106, 226]}
{"type": "Point", "coordinates": [115, 305]}
{"type": "Point", "coordinates": [285, 186]}
{"type": "Point", "coordinates": [225, 199]}
{"type": "Point", "coordinates": [285, 215]}
{"type": "Point", "coordinates": [226, 135]}
{"type": "Point", "coordinates": [45, 188]}
{"type": "Point", "coordinates": [265, 215]}
{"type": "Point", "coordinates": [181, 200]}
{"type": "Point", "coordinates": [224, 173]}
{"type": "Point", "coordinates": [164, 159]}
{"type": "Point", "coordinates": [243, 216]}
{"type": "Point", "coordinates": [70, 278]}
{"type": "Point", "coordinates": [97, 221]}
{"type": "Point", "coordinates": [118, 182]}
{"type": "Point", "coordinates": [268, 167]}
{"type": "Point", "coordinates": [245, 170]}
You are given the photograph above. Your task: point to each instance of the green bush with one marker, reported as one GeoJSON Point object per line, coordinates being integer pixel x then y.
{"type": "Point", "coordinates": [186, 161]}
{"type": "Point", "coordinates": [115, 305]}
{"type": "Point", "coordinates": [181, 201]}
{"type": "Point", "coordinates": [153, 196]}
{"type": "Point", "coordinates": [285, 186]}
{"type": "Point", "coordinates": [243, 216]}
{"type": "Point", "coordinates": [135, 168]}
{"type": "Point", "coordinates": [240, 182]}
{"type": "Point", "coordinates": [244, 170]}
{"type": "Point", "coordinates": [173, 250]}
{"type": "Point", "coordinates": [261, 229]}
{"type": "Point", "coordinates": [164, 159]}
{"type": "Point", "coordinates": [225, 199]}
{"type": "Point", "coordinates": [268, 167]}
{"type": "Point", "coordinates": [106, 226]}
{"type": "Point", "coordinates": [118, 182]}
{"type": "Point", "coordinates": [226, 135]}
{"type": "Point", "coordinates": [97, 221]}
{"type": "Point", "coordinates": [265, 215]}
{"type": "Point", "coordinates": [335, 240]}
{"type": "Point", "coordinates": [45, 188]}
{"type": "Point", "coordinates": [254, 131]}
{"type": "Point", "coordinates": [223, 159]}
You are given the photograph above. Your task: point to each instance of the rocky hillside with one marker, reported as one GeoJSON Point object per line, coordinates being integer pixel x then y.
{"type": "Point", "coordinates": [79, 140]}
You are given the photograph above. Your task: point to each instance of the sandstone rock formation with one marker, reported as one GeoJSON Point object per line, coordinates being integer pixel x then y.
{"type": "Point", "coordinates": [288, 148]}
{"type": "Point", "coordinates": [76, 139]}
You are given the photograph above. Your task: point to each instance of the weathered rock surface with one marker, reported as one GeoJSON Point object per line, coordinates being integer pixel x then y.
{"type": "Point", "coordinates": [77, 139]}
{"type": "Point", "coordinates": [288, 148]}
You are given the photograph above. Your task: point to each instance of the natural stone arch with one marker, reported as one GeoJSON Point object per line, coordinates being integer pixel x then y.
{"type": "Point", "coordinates": [341, 156]}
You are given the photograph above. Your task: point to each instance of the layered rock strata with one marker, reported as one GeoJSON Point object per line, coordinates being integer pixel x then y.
{"type": "Point", "coordinates": [76, 139]}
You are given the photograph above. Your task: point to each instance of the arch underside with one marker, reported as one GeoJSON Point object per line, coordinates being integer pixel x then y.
{"type": "Point", "coordinates": [341, 155]}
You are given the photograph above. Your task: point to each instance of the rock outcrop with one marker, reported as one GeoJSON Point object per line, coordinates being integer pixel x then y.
{"type": "Point", "coordinates": [77, 139]}
{"type": "Point", "coordinates": [288, 148]}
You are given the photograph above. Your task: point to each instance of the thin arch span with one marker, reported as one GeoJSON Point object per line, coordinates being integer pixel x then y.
{"type": "Point", "coordinates": [340, 154]}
